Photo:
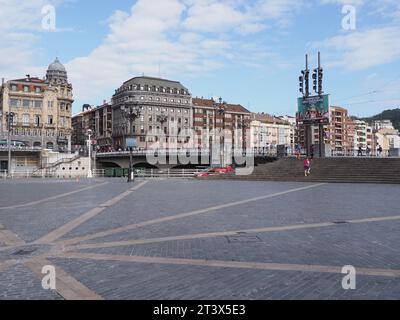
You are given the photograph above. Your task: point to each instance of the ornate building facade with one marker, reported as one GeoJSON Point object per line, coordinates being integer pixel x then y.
{"type": "Point", "coordinates": [42, 109]}
{"type": "Point", "coordinates": [165, 110]}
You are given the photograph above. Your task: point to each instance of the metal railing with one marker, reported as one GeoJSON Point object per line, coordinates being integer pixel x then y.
{"type": "Point", "coordinates": [167, 173]}
{"type": "Point", "coordinates": [204, 152]}
{"type": "Point", "coordinates": [45, 173]}
{"type": "Point", "coordinates": [363, 154]}
{"type": "Point", "coordinates": [20, 148]}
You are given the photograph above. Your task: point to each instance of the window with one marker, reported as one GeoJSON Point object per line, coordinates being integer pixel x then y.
{"type": "Point", "coordinates": [14, 103]}
{"type": "Point", "coordinates": [38, 89]}
{"type": "Point", "coordinates": [50, 119]}
{"type": "Point", "coordinates": [37, 104]}
{"type": "Point", "coordinates": [26, 103]}
{"type": "Point", "coordinates": [26, 89]}
{"type": "Point", "coordinates": [25, 119]}
{"type": "Point", "coordinates": [50, 104]}
{"type": "Point", "coordinates": [37, 120]}
{"type": "Point", "coordinates": [14, 87]}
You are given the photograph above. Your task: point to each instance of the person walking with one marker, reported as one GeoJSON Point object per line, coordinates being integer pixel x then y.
{"type": "Point", "coordinates": [360, 151]}
{"type": "Point", "coordinates": [368, 151]}
{"type": "Point", "coordinates": [307, 167]}
{"type": "Point", "coordinates": [380, 150]}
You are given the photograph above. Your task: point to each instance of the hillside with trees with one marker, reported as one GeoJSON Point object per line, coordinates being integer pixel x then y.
{"type": "Point", "coordinates": [392, 115]}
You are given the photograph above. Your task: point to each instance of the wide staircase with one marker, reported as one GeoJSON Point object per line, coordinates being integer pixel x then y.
{"type": "Point", "coordinates": [357, 170]}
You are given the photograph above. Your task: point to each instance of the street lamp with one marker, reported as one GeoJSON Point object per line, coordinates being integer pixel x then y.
{"type": "Point", "coordinates": [221, 112]}
{"type": "Point", "coordinates": [131, 112]}
{"type": "Point", "coordinates": [243, 124]}
{"type": "Point", "coordinates": [10, 120]}
{"type": "Point", "coordinates": [163, 119]}
{"type": "Point", "coordinates": [90, 174]}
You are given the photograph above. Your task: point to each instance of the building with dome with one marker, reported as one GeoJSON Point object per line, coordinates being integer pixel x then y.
{"type": "Point", "coordinates": [42, 109]}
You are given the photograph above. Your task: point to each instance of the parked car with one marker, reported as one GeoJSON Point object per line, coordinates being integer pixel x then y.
{"type": "Point", "coordinates": [214, 172]}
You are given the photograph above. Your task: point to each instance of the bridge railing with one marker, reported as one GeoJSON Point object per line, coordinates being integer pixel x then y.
{"type": "Point", "coordinates": [204, 152]}
{"type": "Point", "coordinates": [17, 148]}
{"type": "Point", "coordinates": [167, 173]}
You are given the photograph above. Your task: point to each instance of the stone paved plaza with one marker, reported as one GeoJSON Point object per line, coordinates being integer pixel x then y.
{"type": "Point", "coordinates": [188, 239]}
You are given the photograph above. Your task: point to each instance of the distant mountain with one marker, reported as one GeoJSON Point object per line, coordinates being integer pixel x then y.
{"type": "Point", "coordinates": [393, 115]}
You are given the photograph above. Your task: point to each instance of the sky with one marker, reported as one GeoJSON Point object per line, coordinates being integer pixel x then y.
{"type": "Point", "coordinates": [248, 52]}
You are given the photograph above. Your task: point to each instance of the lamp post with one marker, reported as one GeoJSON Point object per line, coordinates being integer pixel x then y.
{"type": "Point", "coordinates": [90, 174]}
{"type": "Point", "coordinates": [218, 110]}
{"type": "Point", "coordinates": [131, 112]}
{"type": "Point", "coordinates": [243, 124]}
{"type": "Point", "coordinates": [163, 119]}
{"type": "Point", "coordinates": [10, 121]}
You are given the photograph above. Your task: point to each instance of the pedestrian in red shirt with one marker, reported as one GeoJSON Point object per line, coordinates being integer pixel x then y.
{"type": "Point", "coordinates": [307, 167]}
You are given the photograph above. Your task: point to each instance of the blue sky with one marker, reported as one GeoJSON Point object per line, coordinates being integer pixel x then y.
{"type": "Point", "coordinates": [248, 52]}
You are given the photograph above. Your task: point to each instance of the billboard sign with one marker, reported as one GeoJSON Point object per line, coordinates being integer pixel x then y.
{"type": "Point", "coordinates": [131, 143]}
{"type": "Point", "coordinates": [313, 110]}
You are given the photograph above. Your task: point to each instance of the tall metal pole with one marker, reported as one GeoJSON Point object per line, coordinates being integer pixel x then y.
{"type": "Point", "coordinates": [131, 175]}
{"type": "Point", "coordinates": [307, 94]}
{"type": "Point", "coordinates": [321, 126]}
{"type": "Point", "coordinates": [9, 149]}
{"type": "Point", "coordinates": [10, 117]}
{"type": "Point", "coordinates": [90, 174]}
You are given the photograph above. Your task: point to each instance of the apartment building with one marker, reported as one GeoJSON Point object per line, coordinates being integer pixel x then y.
{"type": "Point", "coordinates": [267, 132]}
{"type": "Point", "coordinates": [211, 118]}
{"type": "Point", "coordinates": [42, 109]}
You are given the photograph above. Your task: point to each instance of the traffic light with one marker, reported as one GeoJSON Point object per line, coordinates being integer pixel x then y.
{"type": "Point", "coordinates": [314, 76]}
{"type": "Point", "coordinates": [307, 79]}
{"type": "Point", "coordinates": [10, 120]}
{"type": "Point", "coordinates": [320, 80]}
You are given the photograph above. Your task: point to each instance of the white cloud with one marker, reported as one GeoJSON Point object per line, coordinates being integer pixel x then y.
{"type": "Point", "coordinates": [363, 49]}
{"type": "Point", "coordinates": [19, 20]}
{"type": "Point", "coordinates": [181, 37]}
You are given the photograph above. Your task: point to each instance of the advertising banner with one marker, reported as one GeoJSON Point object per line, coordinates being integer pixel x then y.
{"type": "Point", "coordinates": [313, 110]}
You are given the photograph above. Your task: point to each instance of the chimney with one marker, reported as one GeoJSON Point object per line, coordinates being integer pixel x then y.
{"type": "Point", "coordinates": [2, 81]}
